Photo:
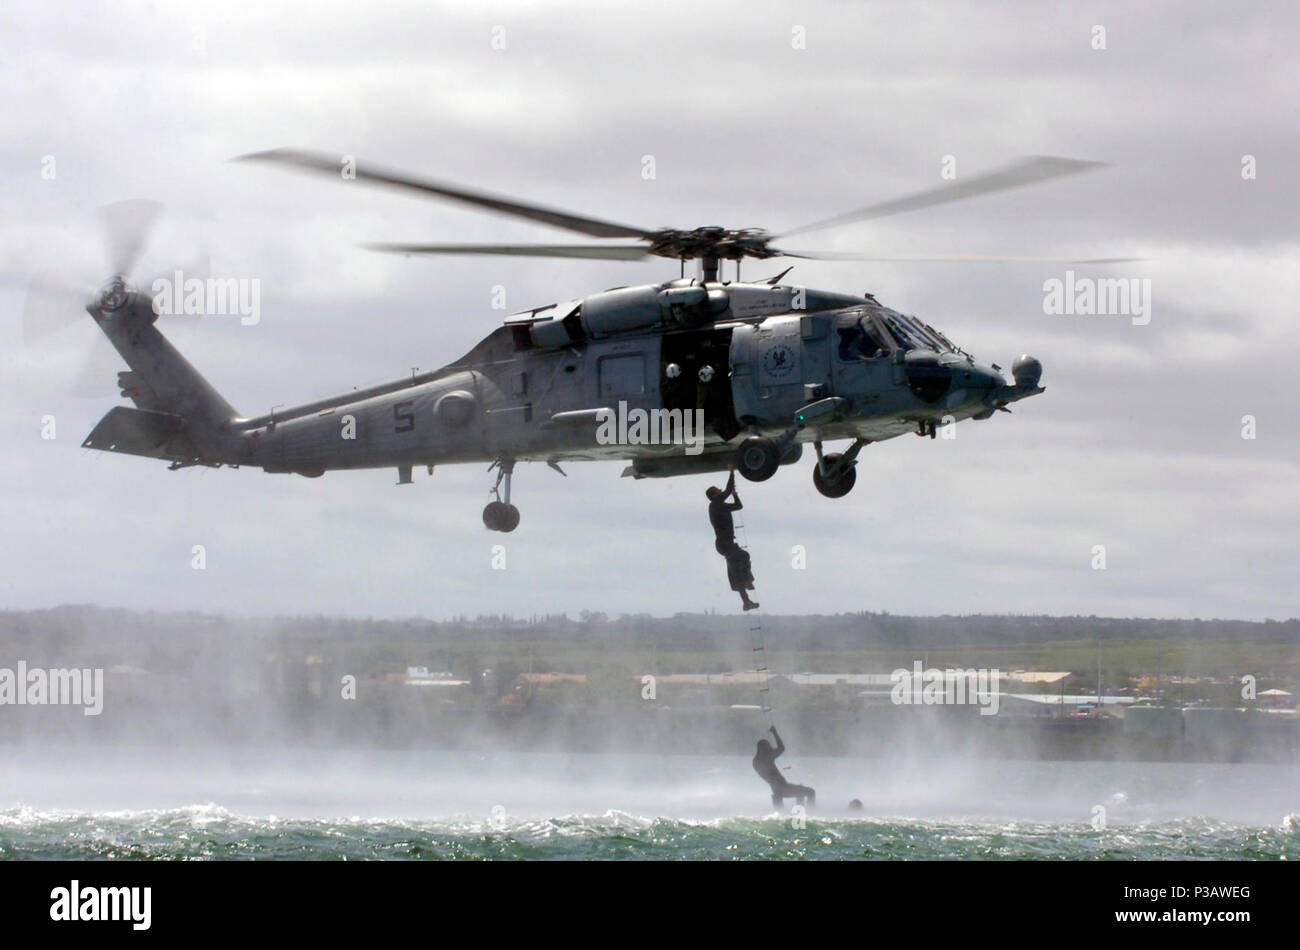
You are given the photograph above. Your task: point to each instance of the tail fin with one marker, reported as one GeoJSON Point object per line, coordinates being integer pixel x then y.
{"type": "Point", "coordinates": [180, 415]}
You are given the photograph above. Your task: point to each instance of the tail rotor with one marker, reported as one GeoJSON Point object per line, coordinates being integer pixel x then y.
{"type": "Point", "coordinates": [60, 344]}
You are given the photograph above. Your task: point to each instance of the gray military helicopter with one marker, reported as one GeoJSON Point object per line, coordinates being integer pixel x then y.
{"type": "Point", "coordinates": [764, 367]}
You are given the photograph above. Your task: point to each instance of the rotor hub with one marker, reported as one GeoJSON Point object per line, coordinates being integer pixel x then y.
{"type": "Point", "coordinates": [114, 294]}
{"type": "Point", "coordinates": [711, 242]}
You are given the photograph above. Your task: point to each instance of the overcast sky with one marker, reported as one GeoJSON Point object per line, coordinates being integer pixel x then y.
{"type": "Point", "coordinates": [756, 115]}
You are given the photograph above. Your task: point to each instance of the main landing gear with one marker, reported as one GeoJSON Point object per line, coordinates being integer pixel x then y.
{"type": "Point", "coordinates": [758, 457]}
{"type": "Point", "coordinates": [500, 515]}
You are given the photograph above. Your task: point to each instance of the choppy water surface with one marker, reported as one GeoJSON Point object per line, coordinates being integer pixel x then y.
{"type": "Point", "coordinates": [314, 804]}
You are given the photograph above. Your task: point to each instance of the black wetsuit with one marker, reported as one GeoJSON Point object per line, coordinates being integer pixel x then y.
{"type": "Point", "coordinates": [738, 569]}
{"type": "Point", "coordinates": [765, 765]}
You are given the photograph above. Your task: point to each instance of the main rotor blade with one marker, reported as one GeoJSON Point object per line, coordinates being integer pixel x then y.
{"type": "Point", "coordinates": [332, 166]}
{"type": "Point", "coordinates": [127, 225]}
{"type": "Point", "coordinates": [957, 258]}
{"type": "Point", "coordinates": [1028, 171]}
{"type": "Point", "coordinates": [588, 251]}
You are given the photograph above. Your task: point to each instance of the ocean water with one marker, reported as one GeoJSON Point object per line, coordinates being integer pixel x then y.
{"type": "Point", "coordinates": [420, 805]}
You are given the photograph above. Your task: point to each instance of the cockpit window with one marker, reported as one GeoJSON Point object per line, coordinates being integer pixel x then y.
{"type": "Point", "coordinates": [947, 344]}
{"type": "Point", "coordinates": [933, 339]}
{"type": "Point", "coordinates": [909, 336]}
{"type": "Point", "coordinates": [859, 339]}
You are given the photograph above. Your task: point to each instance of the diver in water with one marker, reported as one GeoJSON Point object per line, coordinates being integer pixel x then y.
{"type": "Point", "coordinates": [765, 765]}
{"type": "Point", "coordinates": [739, 574]}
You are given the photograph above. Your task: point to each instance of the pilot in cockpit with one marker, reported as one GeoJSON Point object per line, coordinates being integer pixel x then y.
{"type": "Point", "coordinates": [858, 341]}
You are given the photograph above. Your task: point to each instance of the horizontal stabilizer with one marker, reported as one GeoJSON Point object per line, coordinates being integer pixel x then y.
{"type": "Point", "coordinates": [157, 435]}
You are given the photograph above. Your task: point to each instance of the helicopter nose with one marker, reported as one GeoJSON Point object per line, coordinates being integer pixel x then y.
{"type": "Point", "coordinates": [983, 377]}
{"type": "Point", "coordinates": [973, 384]}
{"type": "Point", "coordinates": [951, 382]}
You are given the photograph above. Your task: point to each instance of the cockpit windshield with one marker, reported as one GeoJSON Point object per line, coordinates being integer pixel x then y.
{"type": "Point", "coordinates": [911, 335]}
{"type": "Point", "coordinates": [946, 344]}
{"type": "Point", "coordinates": [859, 339]}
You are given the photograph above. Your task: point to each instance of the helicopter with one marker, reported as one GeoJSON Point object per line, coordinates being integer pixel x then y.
{"type": "Point", "coordinates": [684, 376]}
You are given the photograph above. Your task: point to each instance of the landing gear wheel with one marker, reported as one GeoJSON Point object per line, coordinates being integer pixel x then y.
{"type": "Point", "coordinates": [842, 485]}
{"type": "Point", "coordinates": [758, 458]}
{"type": "Point", "coordinates": [498, 516]}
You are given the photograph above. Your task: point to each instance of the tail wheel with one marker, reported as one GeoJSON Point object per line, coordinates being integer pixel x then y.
{"type": "Point", "coordinates": [842, 485]}
{"type": "Point", "coordinates": [758, 458]}
{"type": "Point", "coordinates": [498, 516]}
